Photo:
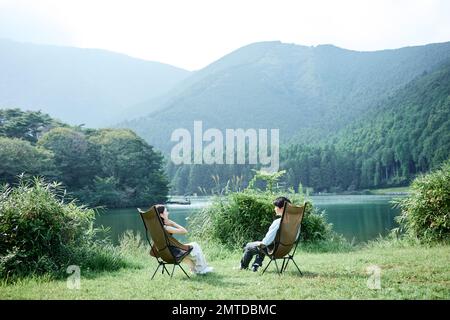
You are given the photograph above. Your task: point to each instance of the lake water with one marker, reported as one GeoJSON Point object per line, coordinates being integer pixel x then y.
{"type": "Point", "coordinates": [357, 217]}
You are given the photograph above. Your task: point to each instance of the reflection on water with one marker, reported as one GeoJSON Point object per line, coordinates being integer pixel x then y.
{"type": "Point", "coordinates": [357, 217]}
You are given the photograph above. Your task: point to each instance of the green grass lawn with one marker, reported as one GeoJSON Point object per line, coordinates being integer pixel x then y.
{"type": "Point", "coordinates": [407, 272]}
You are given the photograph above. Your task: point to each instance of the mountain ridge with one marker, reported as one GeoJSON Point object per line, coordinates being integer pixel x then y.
{"type": "Point", "coordinates": [327, 85]}
{"type": "Point", "coordinates": [79, 85]}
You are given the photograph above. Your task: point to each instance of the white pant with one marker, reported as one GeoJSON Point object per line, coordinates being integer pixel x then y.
{"type": "Point", "coordinates": [196, 259]}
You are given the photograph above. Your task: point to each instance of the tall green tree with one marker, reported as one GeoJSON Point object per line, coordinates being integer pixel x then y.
{"type": "Point", "coordinates": [18, 156]}
{"type": "Point", "coordinates": [137, 167]}
{"type": "Point", "coordinates": [75, 157]}
{"type": "Point", "coordinates": [28, 125]}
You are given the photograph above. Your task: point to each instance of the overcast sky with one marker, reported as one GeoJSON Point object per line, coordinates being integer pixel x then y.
{"type": "Point", "coordinates": [193, 33]}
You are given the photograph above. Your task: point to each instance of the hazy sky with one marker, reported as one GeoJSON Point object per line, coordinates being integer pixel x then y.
{"type": "Point", "coordinates": [193, 33]}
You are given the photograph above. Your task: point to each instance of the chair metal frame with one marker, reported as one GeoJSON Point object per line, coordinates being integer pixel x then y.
{"type": "Point", "coordinates": [286, 260]}
{"type": "Point", "coordinates": [289, 256]}
{"type": "Point", "coordinates": [161, 262]}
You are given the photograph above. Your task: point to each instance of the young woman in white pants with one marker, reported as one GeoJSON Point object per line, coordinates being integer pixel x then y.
{"type": "Point", "coordinates": [195, 260]}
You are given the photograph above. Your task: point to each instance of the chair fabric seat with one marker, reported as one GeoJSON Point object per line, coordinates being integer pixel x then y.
{"type": "Point", "coordinates": [287, 236]}
{"type": "Point", "coordinates": [164, 247]}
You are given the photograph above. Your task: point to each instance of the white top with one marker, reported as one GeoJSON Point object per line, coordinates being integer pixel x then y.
{"type": "Point", "coordinates": [270, 235]}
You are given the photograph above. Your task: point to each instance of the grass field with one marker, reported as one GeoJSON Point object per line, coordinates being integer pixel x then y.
{"type": "Point", "coordinates": [407, 272]}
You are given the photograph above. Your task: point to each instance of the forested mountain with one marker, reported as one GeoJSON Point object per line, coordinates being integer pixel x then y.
{"type": "Point", "coordinates": [110, 167]}
{"type": "Point", "coordinates": [348, 120]}
{"type": "Point", "coordinates": [410, 133]}
{"type": "Point", "coordinates": [406, 133]}
{"type": "Point", "coordinates": [78, 86]}
{"type": "Point", "coordinates": [307, 92]}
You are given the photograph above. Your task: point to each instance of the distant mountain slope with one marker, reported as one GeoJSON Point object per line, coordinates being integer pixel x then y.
{"type": "Point", "coordinates": [405, 134]}
{"type": "Point", "coordinates": [79, 85]}
{"type": "Point", "coordinates": [409, 133]}
{"type": "Point", "coordinates": [307, 92]}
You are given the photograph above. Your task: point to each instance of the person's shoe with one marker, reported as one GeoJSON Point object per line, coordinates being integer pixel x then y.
{"type": "Point", "coordinates": [255, 268]}
{"type": "Point", "coordinates": [206, 270]}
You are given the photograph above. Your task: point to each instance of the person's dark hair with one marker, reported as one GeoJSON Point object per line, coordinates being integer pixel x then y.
{"type": "Point", "coordinates": [280, 201]}
{"type": "Point", "coordinates": [160, 208]}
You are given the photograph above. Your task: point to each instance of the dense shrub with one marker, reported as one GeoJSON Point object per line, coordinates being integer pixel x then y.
{"type": "Point", "coordinates": [42, 234]}
{"type": "Point", "coordinates": [240, 217]}
{"type": "Point", "coordinates": [315, 226]}
{"type": "Point", "coordinates": [425, 212]}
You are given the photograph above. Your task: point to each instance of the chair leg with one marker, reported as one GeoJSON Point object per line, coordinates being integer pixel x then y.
{"type": "Point", "coordinates": [282, 265]}
{"type": "Point", "coordinates": [184, 271]}
{"type": "Point", "coordinates": [297, 266]}
{"type": "Point", "coordinates": [267, 266]}
{"type": "Point", "coordinates": [173, 270]}
{"type": "Point", "coordinates": [159, 265]}
{"type": "Point", "coordinates": [164, 265]}
{"type": "Point", "coordinates": [276, 265]}
{"type": "Point", "coordinates": [287, 261]}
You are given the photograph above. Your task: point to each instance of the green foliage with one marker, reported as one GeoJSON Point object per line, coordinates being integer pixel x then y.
{"type": "Point", "coordinates": [408, 134]}
{"type": "Point", "coordinates": [240, 217]}
{"type": "Point", "coordinates": [110, 167]}
{"type": "Point", "coordinates": [27, 125]}
{"type": "Point", "coordinates": [75, 157]}
{"type": "Point", "coordinates": [18, 156]}
{"type": "Point", "coordinates": [132, 244]}
{"type": "Point", "coordinates": [426, 210]}
{"type": "Point", "coordinates": [208, 179]}
{"type": "Point", "coordinates": [234, 220]}
{"type": "Point", "coordinates": [107, 191]}
{"type": "Point", "coordinates": [42, 234]}
{"type": "Point", "coordinates": [309, 93]}
{"type": "Point", "coordinates": [315, 227]}
{"type": "Point", "coordinates": [409, 272]}
{"type": "Point", "coordinates": [399, 136]}
{"type": "Point", "coordinates": [269, 178]}
{"type": "Point", "coordinates": [132, 168]}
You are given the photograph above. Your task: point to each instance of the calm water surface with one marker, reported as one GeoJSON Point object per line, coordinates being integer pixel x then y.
{"type": "Point", "coordinates": [357, 217]}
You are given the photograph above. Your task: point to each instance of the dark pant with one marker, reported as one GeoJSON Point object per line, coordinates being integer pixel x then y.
{"type": "Point", "coordinates": [251, 249]}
